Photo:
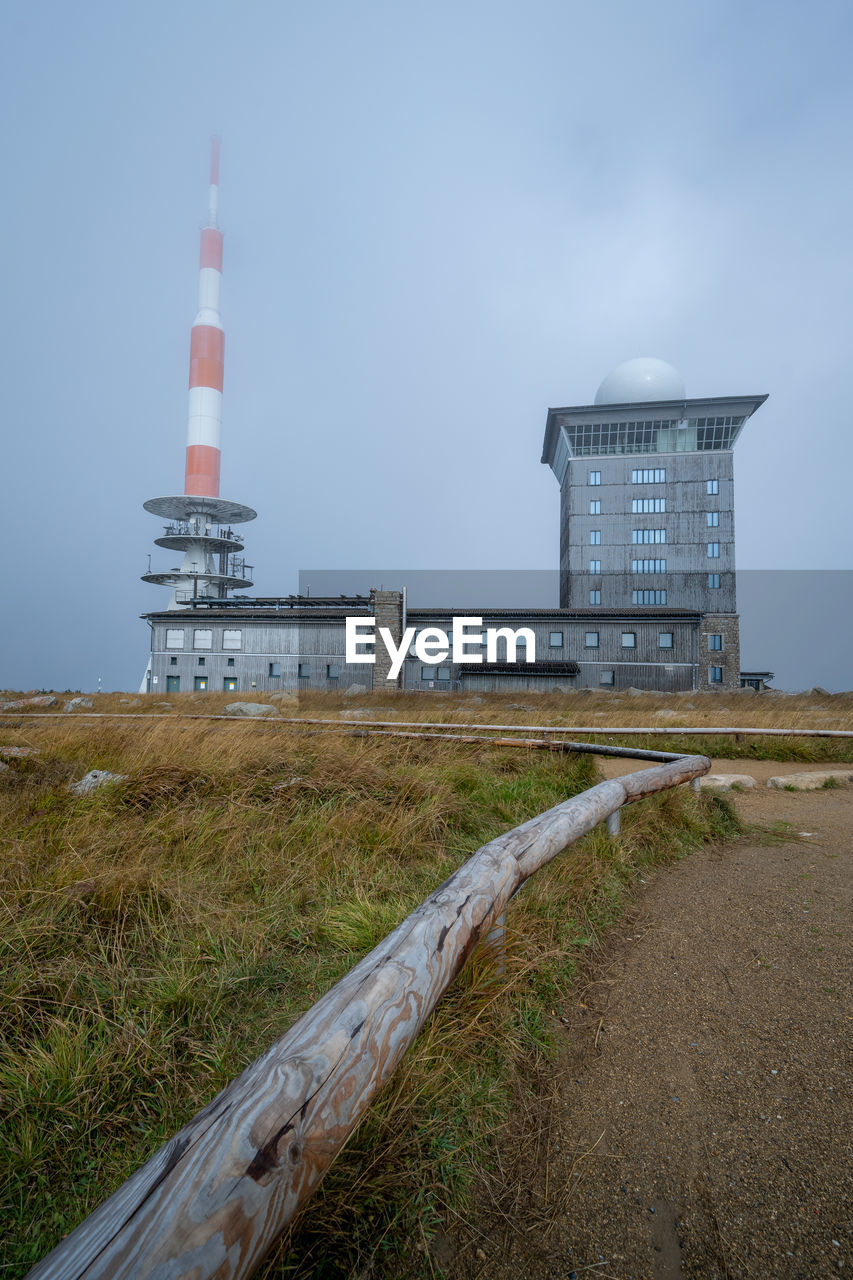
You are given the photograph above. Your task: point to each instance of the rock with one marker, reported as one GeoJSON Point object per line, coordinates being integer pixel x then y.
{"type": "Point", "coordinates": [477, 700]}
{"type": "Point", "coordinates": [368, 713]}
{"type": "Point", "coordinates": [667, 714]}
{"type": "Point", "coordinates": [76, 703]}
{"type": "Point", "coordinates": [255, 709]}
{"type": "Point", "coordinates": [816, 691]}
{"type": "Point", "coordinates": [747, 689]}
{"type": "Point", "coordinates": [725, 781]}
{"type": "Point", "coordinates": [292, 782]}
{"type": "Point", "coordinates": [811, 781]}
{"type": "Point", "coordinates": [94, 779]}
{"type": "Point", "coordinates": [40, 700]}
{"type": "Point", "coordinates": [286, 696]}
{"type": "Point", "coordinates": [3, 767]}
{"type": "Point", "coordinates": [128, 702]}
{"type": "Point", "coordinates": [633, 693]}
{"type": "Point", "coordinates": [163, 704]}
{"type": "Point", "coordinates": [18, 753]}
{"type": "Point", "coordinates": [519, 706]}
{"type": "Point", "coordinates": [352, 689]}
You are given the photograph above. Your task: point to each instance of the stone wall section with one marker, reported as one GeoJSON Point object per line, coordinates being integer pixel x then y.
{"type": "Point", "coordinates": [387, 608]}
{"type": "Point", "coordinates": [726, 625]}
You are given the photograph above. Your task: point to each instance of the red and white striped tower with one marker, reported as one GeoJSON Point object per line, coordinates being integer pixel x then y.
{"type": "Point", "coordinates": [198, 519]}
{"type": "Point", "coordinates": [207, 355]}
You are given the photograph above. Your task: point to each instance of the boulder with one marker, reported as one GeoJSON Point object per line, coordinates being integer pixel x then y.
{"type": "Point", "coordinates": [129, 702]}
{"type": "Point", "coordinates": [816, 691]}
{"type": "Point", "coordinates": [811, 781]}
{"type": "Point", "coordinates": [725, 781]}
{"type": "Point", "coordinates": [353, 689]}
{"type": "Point", "coordinates": [18, 753]}
{"type": "Point", "coordinates": [76, 703]}
{"type": "Point", "coordinates": [368, 713]}
{"type": "Point", "coordinates": [94, 779]}
{"type": "Point", "coordinates": [634, 693]}
{"type": "Point", "coordinates": [255, 709]}
{"type": "Point", "coordinates": [40, 700]}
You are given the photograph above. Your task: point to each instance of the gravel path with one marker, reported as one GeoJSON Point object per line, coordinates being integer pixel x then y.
{"type": "Point", "coordinates": [700, 1122]}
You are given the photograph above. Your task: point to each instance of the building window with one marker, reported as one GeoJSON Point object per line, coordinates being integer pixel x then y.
{"type": "Point", "coordinates": [595, 507]}
{"type": "Point", "coordinates": [715, 675]}
{"type": "Point", "coordinates": [664, 639]}
{"type": "Point", "coordinates": [591, 641]}
{"type": "Point", "coordinates": [174, 638]}
{"type": "Point", "coordinates": [715, 642]}
{"type": "Point", "coordinates": [607, 677]}
{"type": "Point", "coordinates": [648, 506]}
{"type": "Point", "coordinates": [200, 683]}
{"type": "Point", "coordinates": [648, 597]}
{"type": "Point", "coordinates": [202, 639]}
{"type": "Point", "coordinates": [713, 549]}
{"type": "Point", "coordinates": [555, 639]}
{"type": "Point", "coordinates": [648, 566]}
{"type": "Point", "coordinates": [656, 476]}
{"type": "Point", "coordinates": [230, 662]}
{"type": "Point", "coordinates": [274, 671]}
{"type": "Point", "coordinates": [712, 519]}
{"type": "Point", "coordinates": [230, 682]}
{"type": "Point", "coordinates": [713, 581]}
{"type": "Point", "coordinates": [442, 673]}
{"type": "Point", "coordinates": [595, 566]}
{"type": "Point", "coordinates": [712, 486]}
{"type": "Point", "coordinates": [232, 639]}
{"type": "Point", "coordinates": [629, 640]}
{"type": "Point", "coordinates": [201, 662]}
{"type": "Point", "coordinates": [173, 662]}
{"type": "Point", "coordinates": [595, 537]}
{"type": "Point", "coordinates": [435, 673]}
{"type": "Point", "coordinates": [595, 477]}
{"type": "Point", "coordinates": [303, 671]}
{"type": "Point", "coordinates": [648, 535]}
{"type": "Point", "coordinates": [595, 596]}
{"type": "Point", "coordinates": [332, 671]}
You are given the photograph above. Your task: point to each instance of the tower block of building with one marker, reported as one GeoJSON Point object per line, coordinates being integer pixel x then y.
{"type": "Point", "coordinates": [199, 521]}
{"type": "Point", "coordinates": [647, 504]}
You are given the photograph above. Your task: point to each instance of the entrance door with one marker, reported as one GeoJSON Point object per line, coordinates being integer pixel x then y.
{"type": "Point", "coordinates": [200, 682]}
{"type": "Point", "coordinates": [173, 684]}
{"type": "Point", "coordinates": [230, 682]}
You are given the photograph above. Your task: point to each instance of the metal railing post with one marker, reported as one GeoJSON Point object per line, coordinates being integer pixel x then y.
{"type": "Point", "coordinates": [614, 823]}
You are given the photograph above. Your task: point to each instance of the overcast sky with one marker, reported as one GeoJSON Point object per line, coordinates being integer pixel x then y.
{"type": "Point", "coordinates": [439, 221]}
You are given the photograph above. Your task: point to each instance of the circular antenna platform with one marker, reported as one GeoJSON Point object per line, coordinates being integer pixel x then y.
{"type": "Point", "coordinates": [220, 510]}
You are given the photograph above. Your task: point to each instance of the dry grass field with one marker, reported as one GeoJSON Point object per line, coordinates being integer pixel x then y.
{"type": "Point", "coordinates": [159, 933]}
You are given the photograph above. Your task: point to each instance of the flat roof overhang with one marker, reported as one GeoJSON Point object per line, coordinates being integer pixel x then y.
{"type": "Point", "coordinates": [712, 405]}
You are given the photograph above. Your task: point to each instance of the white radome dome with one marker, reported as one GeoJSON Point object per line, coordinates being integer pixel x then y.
{"type": "Point", "coordinates": [641, 380]}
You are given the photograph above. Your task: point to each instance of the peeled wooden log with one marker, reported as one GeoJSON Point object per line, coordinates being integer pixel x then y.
{"type": "Point", "coordinates": [212, 1201]}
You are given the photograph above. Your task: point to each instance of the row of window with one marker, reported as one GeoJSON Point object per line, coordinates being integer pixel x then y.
{"type": "Point", "coordinates": [652, 506]}
{"type": "Point", "coordinates": [203, 638]}
{"type": "Point", "coordinates": [629, 640]}
{"type": "Point", "coordinates": [644, 596]}
{"type": "Point", "coordinates": [607, 678]}
{"type": "Point", "coordinates": [648, 566]}
{"type": "Point", "coordinates": [648, 535]}
{"type": "Point", "coordinates": [639, 536]}
{"type": "Point", "coordinates": [654, 475]}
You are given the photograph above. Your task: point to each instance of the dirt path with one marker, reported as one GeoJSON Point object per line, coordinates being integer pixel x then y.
{"type": "Point", "coordinates": [697, 1127]}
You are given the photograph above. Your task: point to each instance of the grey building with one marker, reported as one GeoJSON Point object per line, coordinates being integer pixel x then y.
{"type": "Point", "coordinates": [647, 573]}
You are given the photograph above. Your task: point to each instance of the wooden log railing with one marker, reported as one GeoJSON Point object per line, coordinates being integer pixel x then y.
{"type": "Point", "coordinates": [214, 1199]}
{"type": "Point", "coordinates": [667, 731]}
